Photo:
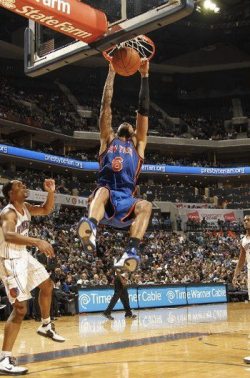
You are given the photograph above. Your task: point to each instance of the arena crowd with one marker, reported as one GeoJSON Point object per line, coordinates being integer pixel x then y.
{"type": "Point", "coordinates": [167, 258]}
{"type": "Point", "coordinates": [45, 105]}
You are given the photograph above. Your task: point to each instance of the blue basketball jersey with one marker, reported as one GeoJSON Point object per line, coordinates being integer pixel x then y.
{"type": "Point", "coordinates": [120, 166]}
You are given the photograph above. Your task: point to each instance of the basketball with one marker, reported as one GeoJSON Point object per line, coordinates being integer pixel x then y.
{"type": "Point", "coordinates": [126, 61]}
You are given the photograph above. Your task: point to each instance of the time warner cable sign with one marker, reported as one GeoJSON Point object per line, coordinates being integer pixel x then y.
{"type": "Point", "coordinates": [91, 300]}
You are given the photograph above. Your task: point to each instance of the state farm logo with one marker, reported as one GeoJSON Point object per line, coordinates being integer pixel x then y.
{"type": "Point", "coordinates": [60, 5]}
{"type": "Point", "coordinates": [9, 4]}
{"type": "Point", "coordinates": [60, 26]}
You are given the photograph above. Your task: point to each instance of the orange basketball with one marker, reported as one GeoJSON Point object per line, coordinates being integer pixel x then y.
{"type": "Point", "coordinates": [126, 61]}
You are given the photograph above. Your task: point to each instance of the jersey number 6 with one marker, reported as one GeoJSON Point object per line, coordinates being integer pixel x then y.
{"type": "Point", "coordinates": [117, 164]}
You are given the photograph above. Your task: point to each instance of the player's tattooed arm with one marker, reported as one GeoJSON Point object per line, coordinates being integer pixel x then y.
{"type": "Point", "coordinates": [105, 120]}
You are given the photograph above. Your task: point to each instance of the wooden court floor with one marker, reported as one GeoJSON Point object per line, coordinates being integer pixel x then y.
{"type": "Point", "coordinates": [197, 341]}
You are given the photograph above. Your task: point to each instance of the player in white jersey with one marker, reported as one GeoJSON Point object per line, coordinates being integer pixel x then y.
{"type": "Point", "coordinates": [244, 256]}
{"type": "Point", "coordinates": [19, 271]}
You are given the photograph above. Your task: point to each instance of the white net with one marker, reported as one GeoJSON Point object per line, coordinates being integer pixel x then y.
{"type": "Point", "coordinates": [142, 44]}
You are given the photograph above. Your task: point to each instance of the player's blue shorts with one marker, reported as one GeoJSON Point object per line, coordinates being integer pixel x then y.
{"type": "Point", "coordinates": [119, 211]}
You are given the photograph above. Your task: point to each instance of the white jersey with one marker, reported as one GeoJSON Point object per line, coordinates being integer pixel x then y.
{"type": "Point", "coordinates": [245, 242]}
{"type": "Point", "coordinates": [10, 250]}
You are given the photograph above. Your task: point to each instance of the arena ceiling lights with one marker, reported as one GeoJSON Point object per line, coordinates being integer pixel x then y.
{"type": "Point", "coordinates": [208, 6]}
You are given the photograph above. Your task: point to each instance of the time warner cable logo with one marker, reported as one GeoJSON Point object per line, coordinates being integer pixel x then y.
{"type": "Point", "coordinates": [171, 296]}
{"type": "Point", "coordinates": [84, 300]}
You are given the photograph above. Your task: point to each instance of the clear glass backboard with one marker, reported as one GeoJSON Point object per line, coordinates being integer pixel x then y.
{"type": "Point", "coordinates": [47, 50]}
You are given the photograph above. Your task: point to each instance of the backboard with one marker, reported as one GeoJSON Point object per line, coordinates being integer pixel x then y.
{"type": "Point", "coordinates": [47, 50]}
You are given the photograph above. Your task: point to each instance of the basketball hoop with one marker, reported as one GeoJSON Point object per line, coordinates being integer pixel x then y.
{"type": "Point", "coordinates": [142, 44]}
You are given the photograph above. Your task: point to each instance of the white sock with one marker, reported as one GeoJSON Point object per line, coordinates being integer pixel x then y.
{"type": "Point", "coordinates": [46, 321]}
{"type": "Point", "coordinates": [5, 354]}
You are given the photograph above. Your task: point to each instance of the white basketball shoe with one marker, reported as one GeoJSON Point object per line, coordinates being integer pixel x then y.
{"type": "Point", "coordinates": [129, 260]}
{"type": "Point", "coordinates": [8, 367]}
{"type": "Point", "coordinates": [48, 330]}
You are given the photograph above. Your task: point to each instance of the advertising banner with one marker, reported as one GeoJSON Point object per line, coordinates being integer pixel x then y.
{"type": "Point", "coordinates": [192, 205]}
{"type": "Point", "coordinates": [93, 300]}
{"type": "Point", "coordinates": [94, 166]}
{"type": "Point", "coordinates": [203, 294]}
{"type": "Point", "coordinates": [161, 296]}
{"type": "Point", "coordinates": [210, 215]}
{"type": "Point", "coordinates": [61, 199]}
{"type": "Point", "coordinates": [70, 17]}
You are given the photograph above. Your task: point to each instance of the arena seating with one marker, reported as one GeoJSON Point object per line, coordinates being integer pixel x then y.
{"type": "Point", "coordinates": [166, 257]}
{"type": "Point", "coordinates": [44, 105]}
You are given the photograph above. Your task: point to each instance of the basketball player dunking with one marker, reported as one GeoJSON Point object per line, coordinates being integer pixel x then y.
{"type": "Point", "coordinates": [244, 256]}
{"type": "Point", "coordinates": [19, 271]}
{"type": "Point", "coordinates": [121, 156]}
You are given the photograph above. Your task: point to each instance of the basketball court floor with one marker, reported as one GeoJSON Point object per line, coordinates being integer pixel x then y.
{"type": "Point", "coordinates": [196, 341]}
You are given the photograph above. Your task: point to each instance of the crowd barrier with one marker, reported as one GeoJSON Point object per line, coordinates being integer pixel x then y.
{"type": "Point", "coordinates": [94, 299]}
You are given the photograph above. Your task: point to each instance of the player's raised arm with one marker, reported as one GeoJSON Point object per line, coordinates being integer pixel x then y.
{"type": "Point", "coordinates": [48, 206]}
{"type": "Point", "coordinates": [105, 120]}
{"type": "Point", "coordinates": [143, 109]}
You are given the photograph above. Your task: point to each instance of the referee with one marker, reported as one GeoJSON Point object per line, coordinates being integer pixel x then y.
{"type": "Point", "coordinates": [121, 292]}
